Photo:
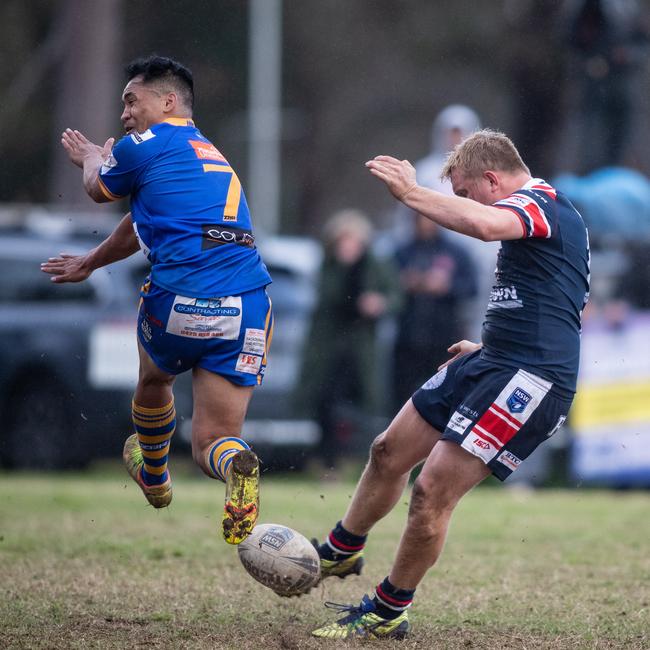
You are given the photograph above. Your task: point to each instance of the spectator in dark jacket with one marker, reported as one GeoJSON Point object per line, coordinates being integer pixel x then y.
{"type": "Point", "coordinates": [341, 369]}
{"type": "Point", "coordinates": [437, 276]}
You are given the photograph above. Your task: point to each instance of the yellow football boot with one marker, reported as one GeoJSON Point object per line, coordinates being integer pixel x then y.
{"type": "Point", "coordinates": [351, 564]}
{"type": "Point", "coordinates": [242, 497]}
{"type": "Point", "coordinates": [159, 496]}
{"type": "Point", "coordinates": [362, 622]}
{"type": "Point", "coordinates": [342, 568]}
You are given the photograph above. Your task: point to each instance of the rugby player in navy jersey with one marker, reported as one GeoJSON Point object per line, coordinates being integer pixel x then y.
{"type": "Point", "coordinates": [204, 306]}
{"type": "Point", "coordinates": [493, 402]}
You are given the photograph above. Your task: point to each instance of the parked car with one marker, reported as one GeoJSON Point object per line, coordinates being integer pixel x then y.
{"type": "Point", "coordinates": [60, 404]}
{"type": "Point", "coordinates": [68, 356]}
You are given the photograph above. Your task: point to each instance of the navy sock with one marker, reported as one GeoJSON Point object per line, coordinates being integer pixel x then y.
{"type": "Point", "coordinates": [390, 601]}
{"type": "Point", "coordinates": [341, 544]}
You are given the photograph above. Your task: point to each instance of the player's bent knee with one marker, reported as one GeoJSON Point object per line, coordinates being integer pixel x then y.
{"type": "Point", "coordinates": [153, 380]}
{"type": "Point", "coordinates": [421, 501]}
{"type": "Point", "coordinates": [429, 499]}
{"type": "Point", "coordinates": [390, 458]}
{"type": "Point", "coordinates": [422, 519]}
{"type": "Point", "coordinates": [382, 458]}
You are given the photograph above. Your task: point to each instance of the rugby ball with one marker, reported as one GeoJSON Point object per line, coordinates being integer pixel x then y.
{"type": "Point", "coordinates": [281, 559]}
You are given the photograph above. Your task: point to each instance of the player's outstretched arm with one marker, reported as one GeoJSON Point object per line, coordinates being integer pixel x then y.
{"type": "Point", "coordinates": [121, 243]}
{"type": "Point", "coordinates": [454, 212]}
{"type": "Point", "coordinates": [90, 157]}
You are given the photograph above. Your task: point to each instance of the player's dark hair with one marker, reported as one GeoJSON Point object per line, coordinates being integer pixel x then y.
{"type": "Point", "coordinates": [164, 71]}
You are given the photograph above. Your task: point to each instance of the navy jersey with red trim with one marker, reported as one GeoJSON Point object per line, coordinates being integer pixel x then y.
{"type": "Point", "coordinates": [189, 211]}
{"type": "Point", "coordinates": [542, 284]}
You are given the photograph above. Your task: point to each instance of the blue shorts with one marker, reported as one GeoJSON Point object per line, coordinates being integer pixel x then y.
{"type": "Point", "coordinates": [229, 336]}
{"type": "Point", "coordinates": [497, 413]}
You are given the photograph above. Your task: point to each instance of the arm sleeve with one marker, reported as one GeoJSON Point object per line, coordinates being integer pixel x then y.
{"type": "Point", "coordinates": [120, 172]}
{"type": "Point", "coordinates": [536, 218]}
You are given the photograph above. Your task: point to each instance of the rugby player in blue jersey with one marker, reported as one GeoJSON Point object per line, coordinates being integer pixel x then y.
{"type": "Point", "coordinates": [492, 403]}
{"type": "Point", "coordinates": [204, 306]}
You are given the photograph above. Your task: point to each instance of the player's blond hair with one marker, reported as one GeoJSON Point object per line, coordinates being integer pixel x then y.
{"type": "Point", "coordinates": [483, 151]}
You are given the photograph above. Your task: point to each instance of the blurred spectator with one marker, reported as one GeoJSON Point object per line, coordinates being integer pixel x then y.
{"type": "Point", "coordinates": [634, 283]}
{"type": "Point", "coordinates": [611, 45]}
{"type": "Point", "coordinates": [436, 276]}
{"type": "Point", "coordinates": [452, 125]}
{"type": "Point", "coordinates": [537, 62]}
{"type": "Point", "coordinates": [341, 368]}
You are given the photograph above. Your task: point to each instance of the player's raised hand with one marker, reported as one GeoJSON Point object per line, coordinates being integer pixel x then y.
{"type": "Point", "coordinates": [67, 268]}
{"type": "Point", "coordinates": [79, 147]}
{"type": "Point", "coordinates": [399, 175]}
{"type": "Point", "coordinates": [460, 349]}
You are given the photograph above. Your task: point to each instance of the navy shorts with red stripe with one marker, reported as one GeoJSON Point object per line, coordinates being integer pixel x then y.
{"type": "Point", "coordinates": [498, 413]}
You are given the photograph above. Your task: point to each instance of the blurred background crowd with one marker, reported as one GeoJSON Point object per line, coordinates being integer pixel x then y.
{"type": "Point", "coordinates": [298, 94]}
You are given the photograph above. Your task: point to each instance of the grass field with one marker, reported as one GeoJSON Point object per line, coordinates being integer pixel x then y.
{"type": "Point", "coordinates": [84, 563]}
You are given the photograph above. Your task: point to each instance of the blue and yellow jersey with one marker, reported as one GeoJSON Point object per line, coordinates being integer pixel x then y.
{"type": "Point", "coordinates": [189, 211]}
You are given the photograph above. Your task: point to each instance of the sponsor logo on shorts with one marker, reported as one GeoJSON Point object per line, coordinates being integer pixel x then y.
{"type": "Point", "coordinates": [205, 307]}
{"type": "Point", "coordinates": [217, 235]}
{"type": "Point", "coordinates": [254, 341]}
{"type": "Point", "coordinates": [436, 380]}
{"type": "Point", "coordinates": [153, 320]}
{"type": "Point", "coordinates": [249, 363]}
{"type": "Point", "coordinates": [483, 444]}
{"type": "Point", "coordinates": [145, 328]}
{"type": "Point", "coordinates": [509, 460]}
{"type": "Point", "coordinates": [206, 317]}
{"type": "Point", "coordinates": [458, 423]}
{"type": "Point", "coordinates": [463, 408]}
{"type": "Point", "coordinates": [518, 400]}
{"type": "Point", "coordinates": [276, 538]}
{"type": "Point", "coordinates": [558, 424]}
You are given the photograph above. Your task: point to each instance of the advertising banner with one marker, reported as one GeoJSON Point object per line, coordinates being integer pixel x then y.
{"type": "Point", "coordinates": [611, 413]}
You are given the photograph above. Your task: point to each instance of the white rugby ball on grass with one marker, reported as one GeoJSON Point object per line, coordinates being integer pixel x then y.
{"type": "Point", "coordinates": [281, 559]}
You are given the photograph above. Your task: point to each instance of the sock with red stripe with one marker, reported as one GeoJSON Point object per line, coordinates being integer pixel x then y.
{"type": "Point", "coordinates": [391, 601]}
{"type": "Point", "coordinates": [341, 543]}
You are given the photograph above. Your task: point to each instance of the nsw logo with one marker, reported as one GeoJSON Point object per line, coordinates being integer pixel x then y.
{"type": "Point", "coordinates": [276, 537]}
{"type": "Point", "coordinates": [518, 400]}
